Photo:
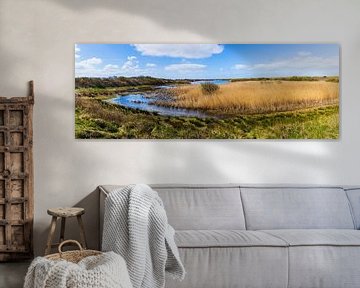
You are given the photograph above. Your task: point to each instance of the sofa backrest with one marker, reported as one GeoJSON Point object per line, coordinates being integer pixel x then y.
{"type": "Point", "coordinates": [200, 207]}
{"type": "Point", "coordinates": [353, 194]}
{"type": "Point", "coordinates": [296, 208]}
{"type": "Point", "coordinates": [257, 207]}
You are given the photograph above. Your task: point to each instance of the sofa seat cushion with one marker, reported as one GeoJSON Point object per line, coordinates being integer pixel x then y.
{"type": "Point", "coordinates": [323, 258]}
{"type": "Point", "coordinates": [317, 237]}
{"type": "Point", "coordinates": [235, 267]}
{"type": "Point", "coordinates": [225, 238]}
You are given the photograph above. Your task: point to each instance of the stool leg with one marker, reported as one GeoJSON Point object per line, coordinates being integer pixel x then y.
{"type": "Point", "coordinates": [62, 230]}
{"type": "Point", "coordinates": [51, 235]}
{"type": "Point", "coordinates": [82, 232]}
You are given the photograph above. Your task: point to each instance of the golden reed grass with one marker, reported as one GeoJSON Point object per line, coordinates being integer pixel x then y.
{"type": "Point", "coordinates": [257, 96]}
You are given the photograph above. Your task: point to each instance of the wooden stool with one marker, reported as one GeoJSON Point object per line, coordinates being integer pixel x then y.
{"type": "Point", "coordinates": [64, 213]}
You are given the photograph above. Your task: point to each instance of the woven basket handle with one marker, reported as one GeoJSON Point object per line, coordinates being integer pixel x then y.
{"type": "Point", "coordinates": [69, 241]}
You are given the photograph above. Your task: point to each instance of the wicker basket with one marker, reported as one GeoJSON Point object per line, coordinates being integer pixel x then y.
{"type": "Point", "coordinates": [72, 256]}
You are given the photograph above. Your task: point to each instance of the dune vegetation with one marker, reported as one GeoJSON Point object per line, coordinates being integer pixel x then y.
{"type": "Point", "coordinates": [116, 82]}
{"type": "Point", "coordinates": [254, 97]}
{"type": "Point", "coordinates": [283, 108]}
{"type": "Point", "coordinates": [95, 118]}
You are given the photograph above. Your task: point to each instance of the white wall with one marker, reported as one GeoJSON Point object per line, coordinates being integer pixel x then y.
{"type": "Point", "coordinates": [37, 42]}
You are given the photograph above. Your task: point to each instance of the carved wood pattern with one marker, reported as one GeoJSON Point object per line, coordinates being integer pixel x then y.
{"type": "Point", "coordinates": [16, 177]}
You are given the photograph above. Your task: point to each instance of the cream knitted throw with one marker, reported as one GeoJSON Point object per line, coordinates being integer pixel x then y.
{"type": "Point", "coordinates": [136, 227]}
{"type": "Point", "coordinates": [104, 271]}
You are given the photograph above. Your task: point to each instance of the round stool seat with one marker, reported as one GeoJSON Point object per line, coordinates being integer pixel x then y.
{"type": "Point", "coordinates": [66, 211]}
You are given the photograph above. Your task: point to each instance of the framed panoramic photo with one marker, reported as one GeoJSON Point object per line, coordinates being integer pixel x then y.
{"type": "Point", "coordinates": [207, 91]}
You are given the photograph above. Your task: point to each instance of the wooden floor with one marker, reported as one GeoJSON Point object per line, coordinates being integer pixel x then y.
{"type": "Point", "coordinates": [12, 274]}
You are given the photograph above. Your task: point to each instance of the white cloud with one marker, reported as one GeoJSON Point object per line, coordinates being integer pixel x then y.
{"type": "Point", "coordinates": [77, 51]}
{"type": "Point", "coordinates": [131, 64]}
{"type": "Point", "coordinates": [304, 53]}
{"type": "Point", "coordinates": [111, 68]}
{"type": "Point", "coordinates": [303, 62]}
{"type": "Point", "coordinates": [92, 68]}
{"type": "Point", "coordinates": [189, 51]}
{"type": "Point", "coordinates": [240, 66]}
{"type": "Point", "coordinates": [151, 65]}
{"type": "Point", "coordinates": [186, 67]}
{"type": "Point", "coordinates": [300, 62]}
{"type": "Point", "coordinates": [88, 63]}
{"type": "Point", "coordinates": [88, 67]}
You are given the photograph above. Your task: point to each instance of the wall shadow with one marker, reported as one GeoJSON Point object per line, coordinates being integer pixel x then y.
{"type": "Point", "coordinates": [178, 15]}
{"type": "Point", "coordinates": [67, 171]}
{"type": "Point", "coordinates": [91, 222]}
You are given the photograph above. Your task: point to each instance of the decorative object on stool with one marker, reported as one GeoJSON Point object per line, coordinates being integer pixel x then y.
{"type": "Point", "coordinates": [16, 177]}
{"type": "Point", "coordinates": [64, 213]}
{"type": "Point", "coordinates": [80, 268]}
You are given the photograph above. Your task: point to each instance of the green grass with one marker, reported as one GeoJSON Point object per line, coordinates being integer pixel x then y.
{"type": "Point", "coordinates": [110, 92]}
{"type": "Point", "coordinates": [98, 119]}
{"type": "Point", "coordinates": [96, 82]}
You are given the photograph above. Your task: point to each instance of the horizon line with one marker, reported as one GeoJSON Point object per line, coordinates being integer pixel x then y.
{"type": "Point", "coordinates": [213, 78]}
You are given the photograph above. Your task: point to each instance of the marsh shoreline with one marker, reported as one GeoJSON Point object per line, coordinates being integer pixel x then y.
{"type": "Point", "coordinates": [97, 118]}
{"type": "Point", "coordinates": [234, 98]}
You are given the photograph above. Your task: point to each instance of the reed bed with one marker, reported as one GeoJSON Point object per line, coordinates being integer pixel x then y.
{"type": "Point", "coordinates": [253, 97]}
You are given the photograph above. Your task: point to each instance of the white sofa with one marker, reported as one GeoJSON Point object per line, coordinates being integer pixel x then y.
{"type": "Point", "coordinates": [263, 236]}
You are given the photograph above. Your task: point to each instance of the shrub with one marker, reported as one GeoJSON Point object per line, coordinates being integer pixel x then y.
{"type": "Point", "coordinates": [333, 79]}
{"type": "Point", "coordinates": [209, 88]}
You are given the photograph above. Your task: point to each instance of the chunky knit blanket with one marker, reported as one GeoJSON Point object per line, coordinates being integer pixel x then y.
{"type": "Point", "coordinates": [136, 227]}
{"type": "Point", "coordinates": [103, 271]}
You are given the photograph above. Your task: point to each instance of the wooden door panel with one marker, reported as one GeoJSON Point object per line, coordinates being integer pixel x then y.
{"type": "Point", "coordinates": [17, 188]}
{"type": "Point", "coordinates": [2, 189]}
{"type": "Point", "coordinates": [18, 235]}
{"type": "Point", "coordinates": [16, 162]}
{"type": "Point", "coordinates": [2, 235]}
{"type": "Point", "coordinates": [17, 211]}
{"type": "Point", "coordinates": [16, 118]}
{"type": "Point", "coordinates": [2, 117]}
{"type": "Point", "coordinates": [2, 211]}
{"type": "Point", "coordinates": [16, 139]}
{"type": "Point", "coordinates": [16, 177]}
{"type": "Point", "coordinates": [2, 139]}
{"type": "Point", "coordinates": [2, 162]}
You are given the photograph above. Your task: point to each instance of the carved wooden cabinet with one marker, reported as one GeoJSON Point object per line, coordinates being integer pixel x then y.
{"type": "Point", "coordinates": [16, 177]}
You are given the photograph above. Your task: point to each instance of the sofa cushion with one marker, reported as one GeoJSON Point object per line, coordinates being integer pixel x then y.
{"type": "Point", "coordinates": [317, 237]}
{"type": "Point", "coordinates": [296, 208]}
{"type": "Point", "coordinates": [324, 266]}
{"type": "Point", "coordinates": [322, 258]}
{"type": "Point", "coordinates": [226, 238]}
{"type": "Point", "coordinates": [354, 198]}
{"type": "Point", "coordinates": [193, 207]}
{"type": "Point", "coordinates": [220, 267]}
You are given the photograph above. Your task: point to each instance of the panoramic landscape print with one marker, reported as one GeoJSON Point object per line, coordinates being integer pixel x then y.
{"type": "Point", "coordinates": [206, 91]}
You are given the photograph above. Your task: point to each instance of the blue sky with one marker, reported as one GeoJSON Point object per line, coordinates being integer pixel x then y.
{"type": "Point", "coordinates": [178, 61]}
